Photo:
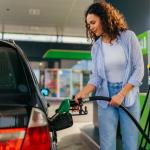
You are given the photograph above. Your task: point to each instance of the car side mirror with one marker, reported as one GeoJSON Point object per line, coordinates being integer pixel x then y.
{"type": "Point", "coordinates": [45, 91]}
{"type": "Point", "coordinates": [60, 121]}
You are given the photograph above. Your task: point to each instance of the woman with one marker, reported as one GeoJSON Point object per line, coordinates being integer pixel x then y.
{"type": "Point", "coordinates": [117, 72]}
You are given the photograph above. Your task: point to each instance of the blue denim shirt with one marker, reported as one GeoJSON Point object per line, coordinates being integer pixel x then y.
{"type": "Point", "coordinates": [134, 67]}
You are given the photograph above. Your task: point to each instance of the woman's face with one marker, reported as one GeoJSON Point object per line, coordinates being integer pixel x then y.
{"type": "Point", "coordinates": [94, 23]}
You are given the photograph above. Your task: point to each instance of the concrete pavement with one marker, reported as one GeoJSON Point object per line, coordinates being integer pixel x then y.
{"type": "Point", "coordinates": [72, 139]}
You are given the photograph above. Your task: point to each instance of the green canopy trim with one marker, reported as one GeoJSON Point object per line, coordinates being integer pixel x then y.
{"type": "Point", "coordinates": [67, 54]}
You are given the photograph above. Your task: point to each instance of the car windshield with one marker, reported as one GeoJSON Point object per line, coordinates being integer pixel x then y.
{"type": "Point", "coordinates": [12, 74]}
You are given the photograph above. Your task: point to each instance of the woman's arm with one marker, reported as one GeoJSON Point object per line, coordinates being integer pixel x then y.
{"type": "Point", "coordinates": [137, 71]}
{"type": "Point", "coordinates": [118, 99]}
{"type": "Point", "coordinates": [94, 81]}
{"type": "Point", "coordinates": [136, 61]}
{"type": "Point", "coordinates": [126, 89]}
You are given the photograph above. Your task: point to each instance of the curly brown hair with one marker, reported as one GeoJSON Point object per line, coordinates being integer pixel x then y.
{"type": "Point", "coordinates": [112, 20]}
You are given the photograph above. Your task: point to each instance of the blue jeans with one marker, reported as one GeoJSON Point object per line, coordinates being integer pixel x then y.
{"type": "Point", "coordinates": [108, 121]}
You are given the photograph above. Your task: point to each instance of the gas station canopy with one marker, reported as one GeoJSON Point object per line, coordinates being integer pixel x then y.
{"type": "Point", "coordinates": [67, 54]}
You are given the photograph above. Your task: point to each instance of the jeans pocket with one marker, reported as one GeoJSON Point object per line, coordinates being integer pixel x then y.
{"type": "Point", "coordinates": [114, 89]}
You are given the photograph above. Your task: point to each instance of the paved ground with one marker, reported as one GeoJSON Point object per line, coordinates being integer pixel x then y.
{"type": "Point", "coordinates": [72, 142]}
{"type": "Point", "coordinates": [70, 139]}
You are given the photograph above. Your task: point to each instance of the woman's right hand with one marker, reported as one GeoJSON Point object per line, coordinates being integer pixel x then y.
{"type": "Point", "coordinates": [84, 93]}
{"type": "Point", "coordinates": [81, 94]}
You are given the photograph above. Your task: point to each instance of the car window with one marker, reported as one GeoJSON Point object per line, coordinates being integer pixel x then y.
{"type": "Point", "coordinates": [14, 116]}
{"type": "Point", "coordinates": [12, 75]}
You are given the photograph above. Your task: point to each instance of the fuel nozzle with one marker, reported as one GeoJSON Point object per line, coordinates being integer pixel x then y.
{"type": "Point", "coordinates": [148, 66]}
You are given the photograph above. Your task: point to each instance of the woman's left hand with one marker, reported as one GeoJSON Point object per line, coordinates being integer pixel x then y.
{"type": "Point", "coordinates": [116, 100]}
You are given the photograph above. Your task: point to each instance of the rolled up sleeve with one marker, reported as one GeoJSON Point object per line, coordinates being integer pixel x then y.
{"type": "Point", "coordinates": [136, 62]}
